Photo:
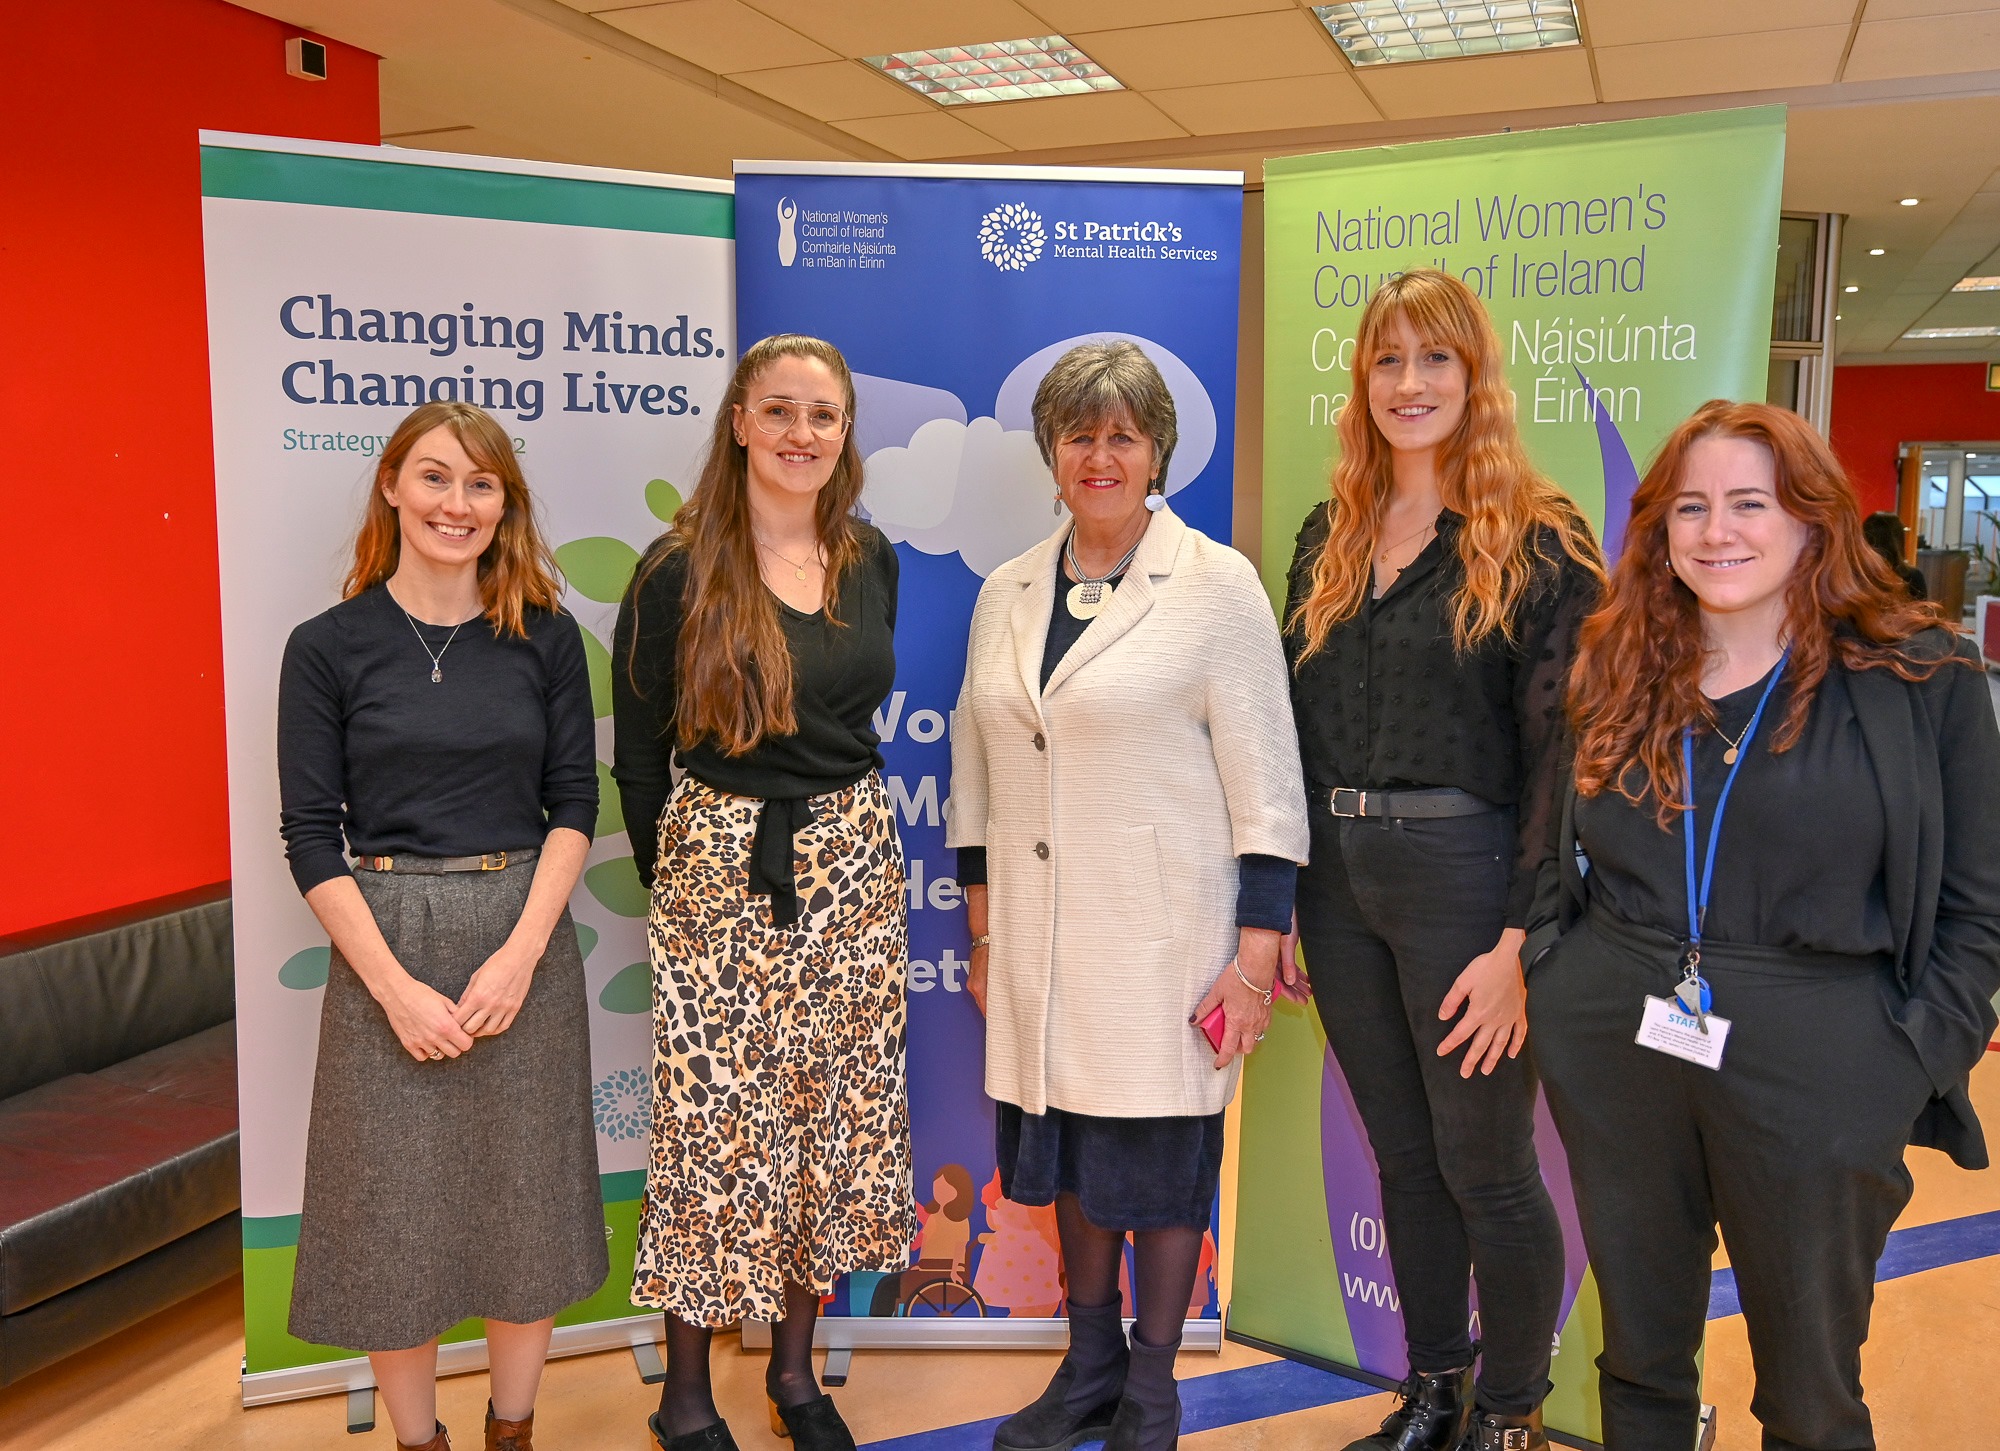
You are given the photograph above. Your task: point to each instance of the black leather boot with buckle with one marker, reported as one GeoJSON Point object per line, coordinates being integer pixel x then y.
{"type": "Point", "coordinates": [1435, 1413]}
{"type": "Point", "coordinates": [1492, 1431]}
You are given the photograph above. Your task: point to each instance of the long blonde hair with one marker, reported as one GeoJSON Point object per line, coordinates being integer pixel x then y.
{"type": "Point", "coordinates": [517, 571]}
{"type": "Point", "coordinates": [732, 659]}
{"type": "Point", "coordinates": [1483, 470]}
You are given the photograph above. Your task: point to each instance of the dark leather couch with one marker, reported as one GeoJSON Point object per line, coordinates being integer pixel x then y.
{"type": "Point", "coordinates": [119, 1192]}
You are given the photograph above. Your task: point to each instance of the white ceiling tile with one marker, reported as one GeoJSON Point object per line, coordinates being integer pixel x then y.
{"type": "Point", "coordinates": [1717, 64]}
{"type": "Point", "coordinates": [1100, 119]}
{"type": "Point", "coordinates": [1635, 22]}
{"type": "Point", "coordinates": [1275, 105]}
{"type": "Point", "coordinates": [1209, 52]}
{"type": "Point", "coordinates": [1526, 80]}
{"type": "Point", "coordinates": [1070, 16]}
{"type": "Point", "coordinates": [1941, 45]}
{"type": "Point", "coordinates": [835, 90]}
{"type": "Point", "coordinates": [718, 35]}
{"type": "Point", "coordinates": [882, 27]}
{"type": "Point", "coordinates": [925, 137]}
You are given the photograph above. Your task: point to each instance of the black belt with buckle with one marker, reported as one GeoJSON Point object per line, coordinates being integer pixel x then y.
{"type": "Point", "coordinates": [1440, 802]}
{"type": "Point", "coordinates": [431, 866]}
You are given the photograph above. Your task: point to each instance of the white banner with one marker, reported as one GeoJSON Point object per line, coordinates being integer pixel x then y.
{"type": "Point", "coordinates": [591, 312]}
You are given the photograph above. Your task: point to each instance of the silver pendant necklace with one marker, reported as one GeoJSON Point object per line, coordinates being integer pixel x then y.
{"type": "Point", "coordinates": [437, 656]}
{"type": "Point", "coordinates": [1087, 597]}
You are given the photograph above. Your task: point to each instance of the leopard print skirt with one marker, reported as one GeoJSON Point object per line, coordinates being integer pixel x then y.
{"type": "Point", "coordinates": [781, 1123]}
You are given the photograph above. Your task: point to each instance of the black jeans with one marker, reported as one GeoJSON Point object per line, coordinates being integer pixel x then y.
{"type": "Point", "coordinates": [1390, 913]}
{"type": "Point", "coordinates": [1795, 1144]}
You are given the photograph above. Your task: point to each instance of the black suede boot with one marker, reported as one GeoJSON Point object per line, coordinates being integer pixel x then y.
{"type": "Point", "coordinates": [1149, 1415]}
{"type": "Point", "coordinates": [1435, 1414]}
{"type": "Point", "coordinates": [1079, 1402]}
{"type": "Point", "coordinates": [1492, 1431]}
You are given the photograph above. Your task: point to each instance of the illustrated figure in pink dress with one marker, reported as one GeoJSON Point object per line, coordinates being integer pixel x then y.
{"type": "Point", "coordinates": [1019, 1268]}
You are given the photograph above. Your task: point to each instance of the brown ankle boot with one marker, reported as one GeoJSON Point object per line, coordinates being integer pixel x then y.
{"type": "Point", "coordinates": [438, 1442]}
{"type": "Point", "coordinates": [509, 1435]}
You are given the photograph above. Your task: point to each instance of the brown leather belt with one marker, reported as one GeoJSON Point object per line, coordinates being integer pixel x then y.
{"type": "Point", "coordinates": [1438, 802]}
{"type": "Point", "coordinates": [431, 866]}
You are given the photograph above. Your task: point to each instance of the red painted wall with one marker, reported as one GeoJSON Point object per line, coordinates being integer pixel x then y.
{"type": "Point", "coordinates": [111, 758]}
{"type": "Point", "coordinates": [1878, 407]}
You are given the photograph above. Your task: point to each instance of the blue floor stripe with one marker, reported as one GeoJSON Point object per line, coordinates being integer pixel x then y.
{"type": "Point", "coordinates": [1255, 1392]}
{"type": "Point", "coordinates": [1909, 1252]}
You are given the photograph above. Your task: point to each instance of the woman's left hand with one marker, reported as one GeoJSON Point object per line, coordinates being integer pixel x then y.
{"type": "Point", "coordinates": [1495, 1000]}
{"type": "Point", "coordinates": [1246, 1013]}
{"type": "Point", "coordinates": [494, 995]}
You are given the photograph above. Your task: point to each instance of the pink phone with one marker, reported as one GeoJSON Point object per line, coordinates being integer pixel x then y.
{"type": "Point", "coordinates": [1211, 1027]}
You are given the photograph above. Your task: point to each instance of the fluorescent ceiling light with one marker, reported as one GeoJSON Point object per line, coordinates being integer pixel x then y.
{"type": "Point", "coordinates": [1874, 251]}
{"type": "Point", "coordinates": [1909, 201]}
{"type": "Point", "coordinates": [1851, 287]}
{"type": "Point", "coordinates": [1953, 332]}
{"type": "Point", "coordinates": [1383, 32]}
{"type": "Point", "coordinates": [1000, 70]}
{"type": "Point", "coordinates": [1976, 284]}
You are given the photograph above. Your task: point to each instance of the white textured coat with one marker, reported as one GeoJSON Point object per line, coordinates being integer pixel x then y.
{"type": "Point", "coordinates": [1113, 806]}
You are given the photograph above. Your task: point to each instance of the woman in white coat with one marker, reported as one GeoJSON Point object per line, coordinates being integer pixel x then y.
{"type": "Point", "coordinates": [1129, 812]}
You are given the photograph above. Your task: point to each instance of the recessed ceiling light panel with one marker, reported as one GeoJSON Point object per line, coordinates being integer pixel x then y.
{"type": "Point", "coordinates": [1953, 332]}
{"type": "Point", "coordinates": [1000, 70]}
{"type": "Point", "coordinates": [1976, 284]}
{"type": "Point", "coordinates": [1384, 32]}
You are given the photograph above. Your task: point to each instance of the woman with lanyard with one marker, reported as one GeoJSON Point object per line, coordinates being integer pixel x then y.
{"type": "Point", "coordinates": [1432, 610]}
{"type": "Point", "coordinates": [437, 723]}
{"type": "Point", "coordinates": [1779, 968]}
{"type": "Point", "coordinates": [756, 642]}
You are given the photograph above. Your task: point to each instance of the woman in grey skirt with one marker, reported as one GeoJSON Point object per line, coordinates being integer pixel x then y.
{"type": "Point", "coordinates": [440, 719]}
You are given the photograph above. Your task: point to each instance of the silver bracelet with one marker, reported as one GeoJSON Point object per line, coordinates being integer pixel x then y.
{"type": "Point", "coordinates": [1262, 992]}
{"type": "Point", "coordinates": [981, 940]}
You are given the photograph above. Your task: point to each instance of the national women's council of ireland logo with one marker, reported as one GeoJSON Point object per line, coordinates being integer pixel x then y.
{"type": "Point", "coordinates": [1011, 236]}
{"type": "Point", "coordinates": [788, 235]}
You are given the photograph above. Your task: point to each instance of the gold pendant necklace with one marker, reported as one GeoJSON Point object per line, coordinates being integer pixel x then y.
{"type": "Point", "coordinates": [1729, 756]}
{"type": "Point", "coordinates": [798, 570]}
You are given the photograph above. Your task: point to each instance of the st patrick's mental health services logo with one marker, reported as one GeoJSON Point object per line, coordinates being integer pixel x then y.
{"type": "Point", "coordinates": [1011, 236]}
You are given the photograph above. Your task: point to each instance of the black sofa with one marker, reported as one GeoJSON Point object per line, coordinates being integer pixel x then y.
{"type": "Point", "coordinates": [119, 1192]}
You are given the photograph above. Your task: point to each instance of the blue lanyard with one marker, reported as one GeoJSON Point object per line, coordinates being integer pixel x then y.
{"type": "Point", "coordinates": [1698, 898]}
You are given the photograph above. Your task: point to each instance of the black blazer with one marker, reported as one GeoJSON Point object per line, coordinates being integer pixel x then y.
{"type": "Point", "coordinates": [1940, 871]}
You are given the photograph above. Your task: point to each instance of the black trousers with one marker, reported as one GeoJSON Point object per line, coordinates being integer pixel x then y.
{"type": "Point", "coordinates": [1390, 913]}
{"type": "Point", "coordinates": [1794, 1145]}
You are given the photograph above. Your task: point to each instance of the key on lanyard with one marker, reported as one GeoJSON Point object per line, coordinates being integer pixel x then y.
{"type": "Point", "coordinates": [1692, 990]}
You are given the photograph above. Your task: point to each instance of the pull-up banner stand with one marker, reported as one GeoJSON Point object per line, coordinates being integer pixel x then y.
{"type": "Point", "coordinates": [951, 290]}
{"type": "Point", "coordinates": [1629, 269]}
{"type": "Point", "coordinates": [590, 312]}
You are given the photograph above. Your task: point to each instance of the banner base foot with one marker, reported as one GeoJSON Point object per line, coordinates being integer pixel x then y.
{"type": "Point", "coordinates": [839, 1360]}
{"type": "Point", "coordinates": [360, 1410]}
{"type": "Point", "coordinates": [652, 1370]}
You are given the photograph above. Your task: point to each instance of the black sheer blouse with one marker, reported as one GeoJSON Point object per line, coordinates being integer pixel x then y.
{"type": "Point", "coordinates": [1389, 703]}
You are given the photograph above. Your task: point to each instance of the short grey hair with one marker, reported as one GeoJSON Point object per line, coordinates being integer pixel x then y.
{"type": "Point", "coordinates": [1093, 382]}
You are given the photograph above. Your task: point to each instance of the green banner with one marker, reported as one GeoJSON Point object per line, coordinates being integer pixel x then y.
{"type": "Point", "coordinates": [1628, 269]}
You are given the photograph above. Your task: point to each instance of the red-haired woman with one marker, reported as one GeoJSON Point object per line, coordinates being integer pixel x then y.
{"type": "Point", "coordinates": [755, 644]}
{"type": "Point", "coordinates": [1433, 607]}
{"type": "Point", "coordinates": [439, 720]}
{"type": "Point", "coordinates": [1788, 791]}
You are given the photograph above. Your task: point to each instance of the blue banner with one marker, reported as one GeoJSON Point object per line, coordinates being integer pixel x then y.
{"type": "Point", "coordinates": [951, 291]}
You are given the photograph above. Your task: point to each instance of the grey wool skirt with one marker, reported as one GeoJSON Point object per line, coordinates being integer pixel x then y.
{"type": "Point", "coordinates": [467, 1186]}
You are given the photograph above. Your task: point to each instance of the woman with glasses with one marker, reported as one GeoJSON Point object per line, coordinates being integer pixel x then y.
{"type": "Point", "coordinates": [754, 645]}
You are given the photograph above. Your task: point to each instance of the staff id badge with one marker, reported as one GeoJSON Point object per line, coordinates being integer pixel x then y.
{"type": "Point", "coordinates": [1669, 1028]}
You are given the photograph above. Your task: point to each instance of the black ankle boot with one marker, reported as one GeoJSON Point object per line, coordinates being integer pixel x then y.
{"type": "Point", "coordinates": [1434, 1415]}
{"type": "Point", "coordinates": [712, 1437]}
{"type": "Point", "coordinates": [1149, 1413]}
{"type": "Point", "coordinates": [1492, 1431]}
{"type": "Point", "coordinates": [1079, 1402]}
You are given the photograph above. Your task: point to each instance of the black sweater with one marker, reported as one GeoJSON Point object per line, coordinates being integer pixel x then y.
{"type": "Point", "coordinates": [491, 758]}
{"type": "Point", "coordinates": [1389, 702]}
{"type": "Point", "coordinates": [841, 675]}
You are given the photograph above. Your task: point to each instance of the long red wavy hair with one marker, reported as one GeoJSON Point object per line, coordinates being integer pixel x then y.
{"type": "Point", "coordinates": [1636, 684]}
{"type": "Point", "coordinates": [1483, 467]}
{"type": "Point", "coordinates": [516, 570]}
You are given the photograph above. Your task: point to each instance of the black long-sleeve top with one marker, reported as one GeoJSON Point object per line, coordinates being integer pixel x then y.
{"type": "Point", "coordinates": [1266, 885]}
{"type": "Point", "coordinates": [492, 757]}
{"type": "Point", "coordinates": [1389, 702]}
{"type": "Point", "coordinates": [841, 674]}
{"type": "Point", "coordinates": [1799, 862]}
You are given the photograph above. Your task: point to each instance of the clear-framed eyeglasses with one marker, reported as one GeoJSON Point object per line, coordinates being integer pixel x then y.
{"type": "Point", "coordinates": [777, 415]}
